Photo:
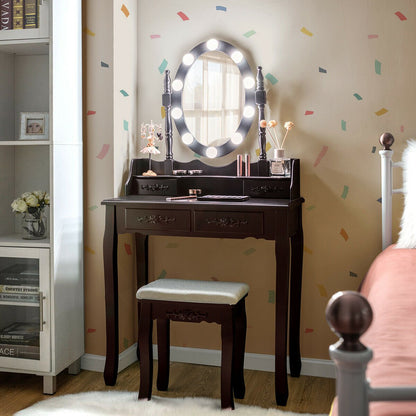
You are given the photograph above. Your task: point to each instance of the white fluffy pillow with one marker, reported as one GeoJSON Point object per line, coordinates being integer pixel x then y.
{"type": "Point", "coordinates": [407, 236]}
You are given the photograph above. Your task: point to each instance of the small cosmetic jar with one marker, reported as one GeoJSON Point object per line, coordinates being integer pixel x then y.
{"type": "Point", "coordinates": [179, 172]}
{"type": "Point", "coordinates": [193, 192]}
{"type": "Point", "coordinates": [195, 172]}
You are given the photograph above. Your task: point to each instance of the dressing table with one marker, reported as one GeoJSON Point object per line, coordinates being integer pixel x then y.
{"type": "Point", "coordinates": [272, 212]}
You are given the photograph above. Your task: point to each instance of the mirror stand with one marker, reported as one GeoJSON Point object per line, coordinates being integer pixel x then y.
{"type": "Point", "coordinates": [259, 168]}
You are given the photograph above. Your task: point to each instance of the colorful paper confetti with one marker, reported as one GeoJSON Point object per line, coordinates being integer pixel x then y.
{"type": "Point", "coordinates": [373, 150]}
{"type": "Point", "coordinates": [271, 78]}
{"type": "Point", "coordinates": [358, 97]}
{"type": "Point", "coordinates": [125, 93]}
{"type": "Point", "coordinates": [310, 207]}
{"type": "Point", "coordinates": [249, 33]}
{"type": "Point", "coordinates": [127, 247]}
{"type": "Point", "coordinates": [381, 111]}
{"type": "Point", "coordinates": [221, 8]}
{"type": "Point", "coordinates": [322, 290]}
{"type": "Point", "coordinates": [308, 330]}
{"type": "Point", "coordinates": [183, 16]}
{"type": "Point", "coordinates": [379, 200]}
{"type": "Point", "coordinates": [343, 125]}
{"type": "Point", "coordinates": [308, 113]}
{"type": "Point", "coordinates": [91, 113]}
{"type": "Point", "coordinates": [352, 274]}
{"type": "Point", "coordinates": [125, 125]}
{"type": "Point", "coordinates": [125, 10]}
{"type": "Point", "coordinates": [103, 152]}
{"type": "Point", "coordinates": [154, 36]}
{"type": "Point", "coordinates": [163, 66]}
{"type": "Point", "coordinates": [89, 250]}
{"type": "Point", "coordinates": [104, 65]}
{"type": "Point", "coordinates": [272, 296]}
{"type": "Point", "coordinates": [91, 330]}
{"type": "Point", "coordinates": [402, 129]}
{"type": "Point", "coordinates": [344, 234]}
{"type": "Point", "coordinates": [323, 70]}
{"type": "Point", "coordinates": [377, 67]}
{"type": "Point", "coordinates": [89, 32]}
{"type": "Point", "coordinates": [162, 112]}
{"type": "Point", "coordinates": [162, 274]}
{"type": "Point", "coordinates": [345, 192]}
{"type": "Point", "coordinates": [307, 250]}
{"type": "Point", "coordinates": [93, 207]}
{"type": "Point", "coordinates": [268, 147]}
{"type": "Point", "coordinates": [372, 36]}
{"type": "Point", "coordinates": [401, 16]}
{"type": "Point", "coordinates": [322, 153]}
{"type": "Point", "coordinates": [249, 251]}
{"type": "Point", "coordinates": [306, 31]}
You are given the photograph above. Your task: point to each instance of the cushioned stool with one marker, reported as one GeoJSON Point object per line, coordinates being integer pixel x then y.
{"type": "Point", "coordinates": [193, 301]}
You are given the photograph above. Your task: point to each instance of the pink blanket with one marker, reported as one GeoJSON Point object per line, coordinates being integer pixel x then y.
{"type": "Point", "coordinates": [390, 287]}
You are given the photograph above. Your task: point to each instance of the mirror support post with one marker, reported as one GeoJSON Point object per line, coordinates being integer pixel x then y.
{"type": "Point", "coordinates": [260, 102]}
{"type": "Point", "coordinates": [167, 104]}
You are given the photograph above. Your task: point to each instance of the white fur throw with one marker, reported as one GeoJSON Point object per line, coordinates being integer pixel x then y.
{"type": "Point", "coordinates": [407, 237]}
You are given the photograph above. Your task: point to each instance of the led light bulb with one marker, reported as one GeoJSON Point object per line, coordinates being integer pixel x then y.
{"type": "Point", "coordinates": [248, 82]}
{"type": "Point", "coordinates": [237, 138]}
{"type": "Point", "coordinates": [211, 152]}
{"type": "Point", "coordinates": [248, 111]}
{"type": "Point", "coordinates": [177, 85]}
{"type": "Point", "coordinates": [176, 113]}
{"type": "Point", "coordinates": [187, 138]}
{"type": "Point", "coordinates": [237, 57]}
{"type": "Point", "coordinates": [188, 59]}
{"type": "Point", "coordinates": [212, 44]}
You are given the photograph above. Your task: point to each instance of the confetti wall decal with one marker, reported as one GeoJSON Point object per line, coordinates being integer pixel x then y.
{"type": "Point", "coordinates": [91, 113]}
{"type": "Point", "coordinates": [306, 31]}
{"type": "Point", "coordinates": [272, 296]}
{"type": "Point", "coordinates": [271, 78]}
{"type": "Point", "coordinates": [401, 16]}
{"type": "Point", "coordinates": [125, 93]}
{"type": "Point", "coordinates": [93, 207]}
{"type": "Point", "coordinates": [125, 10]}
{"type": "Point", "coordinates": [381, 111]}
{"type": "Point", "coordinates": [345, 192]}
{"type": "Point", "coordinates": [402, 129]}
{"type": "Point", "coordinates": [377, 67]}
{"type": "Point", "coordinates": [307, 250]}
{"type": "Point", "coordinates": [127, 247]}
{"type": "Point", "coordinates": [183, 16]}
{"type": "Point", "coordinates": [249, 33]}
{"type": "Point", "coordinates": [125, 125]}
{"type": "Point", "coordinates": [163, 66]}
{"type": "Point", "coordinates": [89, 32]}
{"type": "Point", "coordinates": [308, 113]}
{"type": "Point", "coordinates": [154, 36]}
{"type": "Point", "coordinates": [91, 330]}
{"type": "Point", "coordinates": [322, 290]}
{"type": "Point", "coordinates": [379, 200]}
{"type": "Point", "coordinates": [323, 70]}
{"type": "Point", "coordinates": [103, 152]}
{"type": "Point", "coordinates": [308, 330]}
{"type": "Point", "coordinates": [89, 250]}
{"type": "Point", "coordinates": [249, 251]}
{"type": "Point", "coordinates": [343, 125]}
{"type": "Point", "coordinates": [373, 150]}
{"type": "Point", "coordinates": [372, 36]}
{"type": "Point", "coordinates": [322, 153]}
{"type": "Point", "coordinates": [104, 65]}
{"type": "Point", "coordinates": [310, 207]}
{"type": "Point", "coordinates": [352, 274]}
{"type": "Point", "coordinates": [162, 274]}
{"type": "Point", "coordinates": [344, 234]}
{"type": "Point", "coordinates": [358, 97]}
{"type": "Point", "coordinates": [268, 147]}
{"type": "Point", "coordinates": [221, 8]}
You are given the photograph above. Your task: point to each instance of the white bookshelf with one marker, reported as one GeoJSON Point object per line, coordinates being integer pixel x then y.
{"type": "Point", "coordinates": [41, 72]}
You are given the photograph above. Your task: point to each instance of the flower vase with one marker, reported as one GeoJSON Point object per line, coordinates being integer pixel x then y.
{"type": "Point", "coordinates": [280, 165]}
{"type": "Point", "coordinates": [34, 226]}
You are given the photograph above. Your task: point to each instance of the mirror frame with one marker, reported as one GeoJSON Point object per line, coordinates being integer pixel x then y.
{"type": "Point", "coordinates": [249, 103]}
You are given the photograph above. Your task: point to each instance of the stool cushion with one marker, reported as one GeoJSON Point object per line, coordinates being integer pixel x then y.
{"type": "Point", "coordinates": [180, 290]}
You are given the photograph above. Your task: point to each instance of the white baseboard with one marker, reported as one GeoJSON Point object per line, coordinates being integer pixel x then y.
{"type": "Point", "coordinates": [262, 362]}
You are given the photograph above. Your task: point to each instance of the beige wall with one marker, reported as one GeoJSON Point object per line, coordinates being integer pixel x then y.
{"type": "Point", "coordinates": [350, 42]}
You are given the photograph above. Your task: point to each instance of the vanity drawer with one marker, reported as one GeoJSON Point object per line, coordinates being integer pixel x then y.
{"type": "Point", "coordinates": [229, 222]}
{"type": "Point", "coordinates": [157, 186]}
{"type": "Point", "coordinates": [277, 188]}
{"type": "Point", "coordinates": [152, 219]}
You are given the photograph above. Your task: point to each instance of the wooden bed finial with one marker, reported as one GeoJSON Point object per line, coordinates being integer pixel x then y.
{"type": "Point", "coordinates": [349, 315]}
{"type": "Point", "coordinates": [386, 140]}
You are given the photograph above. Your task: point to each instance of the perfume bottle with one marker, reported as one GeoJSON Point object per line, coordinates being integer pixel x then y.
{"type": "Point", "coordinates": [279, 165]}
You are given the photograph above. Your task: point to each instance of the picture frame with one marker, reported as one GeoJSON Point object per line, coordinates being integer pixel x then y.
{"type": "Point", "coordinates": [34, 126]}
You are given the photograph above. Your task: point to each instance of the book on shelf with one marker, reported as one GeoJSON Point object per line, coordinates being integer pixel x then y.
{"type": "Point", "coordinates": [21, 328]}
{"type": "Point", "coordinates": [19, 297]}
{"type": "Point", "coordinates": [31, 352]}
{"type": "Point", "coordinates": [6, 14]}
{"type": "Point", "coordinates": [18, 14]}
{"type": "Point", "coordinates": [30, 20]}
{"type": "Point", "coordinates": [27, 339]}
{"type": "Point", "coordinates": [19, 278]}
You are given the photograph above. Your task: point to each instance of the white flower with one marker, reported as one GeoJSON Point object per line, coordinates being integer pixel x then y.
{"type": "Point", "coordinates": [47, 199]}
{"type": "Point", "coordinates": [32, 201]}
{"type": "Point", "coordinates": [19, 205]}
{"type": "Point", "coordinates": [39, 194]}
{"type": "Point", "coordinates": [25, 195]}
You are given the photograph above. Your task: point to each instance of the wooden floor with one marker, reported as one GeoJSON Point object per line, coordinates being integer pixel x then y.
{"type": "Point", "coordinates": [307, 394]}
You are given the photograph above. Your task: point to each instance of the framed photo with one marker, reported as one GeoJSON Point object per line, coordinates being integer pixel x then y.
{"type": "Point", "coordinates": [34, 126]}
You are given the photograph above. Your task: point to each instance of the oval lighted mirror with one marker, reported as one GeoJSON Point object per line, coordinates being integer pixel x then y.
{"type": "Point", "coordinates": [213, 98]}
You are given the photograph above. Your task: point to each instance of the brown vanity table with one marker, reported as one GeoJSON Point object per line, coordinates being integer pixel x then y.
{"type": "Point", "coordinates": [272, 212]}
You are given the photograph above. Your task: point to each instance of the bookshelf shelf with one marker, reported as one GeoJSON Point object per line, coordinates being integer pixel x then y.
{"type": "Point", "coordinates": [24, 142]}
{"type": "Point", "coordinates": [16, 240]}
{"type": "Point", "coordinates": [20, 304]}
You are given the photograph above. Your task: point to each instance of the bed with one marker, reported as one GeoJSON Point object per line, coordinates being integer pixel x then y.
{"type": "Point", "coordinates": [376, 356]}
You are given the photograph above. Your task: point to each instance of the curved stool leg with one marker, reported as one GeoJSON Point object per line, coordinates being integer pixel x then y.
{"type": "Point", "coordinates": [146, 353]}
{"type": "Point", "coordinates": [163, 353]}
{"type": "Point", "coordinates": [240, 329]}
{"type": "Point", "coordinates": [227, 337]}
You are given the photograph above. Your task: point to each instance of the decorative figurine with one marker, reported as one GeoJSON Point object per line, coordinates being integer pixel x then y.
{"type": "Point", "coordinates": [151, 132]}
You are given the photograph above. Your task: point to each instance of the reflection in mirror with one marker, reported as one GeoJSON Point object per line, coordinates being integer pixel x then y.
{"type": "Point", "coordinates": [213, 101]}
{"type": "Point", "coordinates": [213, 98]}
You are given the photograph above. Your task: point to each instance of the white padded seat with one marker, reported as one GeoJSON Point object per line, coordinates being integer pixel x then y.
{"type": "Point", "coordinates": [181, 290]}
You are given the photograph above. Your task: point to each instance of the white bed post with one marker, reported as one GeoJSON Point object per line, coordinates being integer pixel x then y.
{"type": "Point", "coordinates": [386, 154]}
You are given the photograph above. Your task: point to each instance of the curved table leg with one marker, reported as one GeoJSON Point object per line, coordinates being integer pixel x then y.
{"type": "Point", "coordinates": [111, 295]}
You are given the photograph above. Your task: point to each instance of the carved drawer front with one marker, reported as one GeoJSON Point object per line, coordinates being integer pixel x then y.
{"type": "Point", "coordinates": [151, 219]}
{"type": "Point", "coordinates": [157, 187]}
{"type": "Point", "coordinates": [229, 222]}
{"type": "Point", "coordinates": [267, 189]}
